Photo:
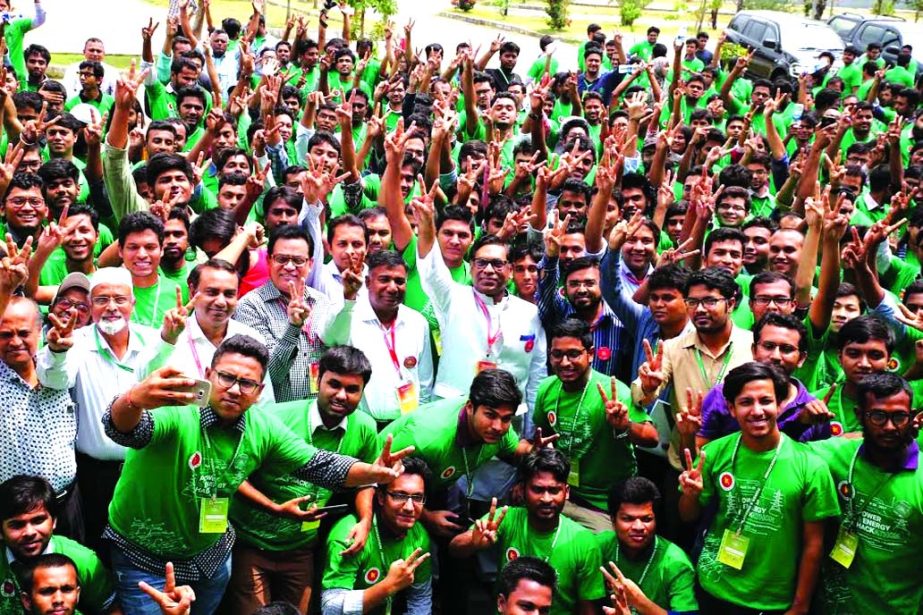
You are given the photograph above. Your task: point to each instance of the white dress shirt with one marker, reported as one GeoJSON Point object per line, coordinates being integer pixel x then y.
{"type": "Point", "coordinates": [412, 349]}
{"type": "Point", "coordinates": [519, 350]}
{"type": "Point", "coordinates": [90, 368]}
{"type": "Point", "coordinates": [71, 79]}
{"type": "Point", "coordinates": [195, 352]}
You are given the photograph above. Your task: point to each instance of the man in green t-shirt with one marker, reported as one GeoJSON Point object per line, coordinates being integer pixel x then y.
{"type": "Point", "coordinates": [277, 538]}
{"type": "Point", "coordinates": [763, 547]}
{"type": "Point", "coordinates": [174, 265]}
{"type": "Point", "coordinates": [526, 585]}
{"type": "Point", "coordinates": [656, 574]}
{"type": "Point", "coordinates": [598, 423]}
{"type": "Point", "coordinates": [644, 49]}
{"type": "Point", "coordinates": [51, 585]}
{"type": "Point", "coordinates": [539, 530]}
{"type": "Point", "coordinates": [141, 237]}
{"type": "Point", "coordinates": [27, 522]}
{"type": "Point", "coordinates": [187, 461]}
{"type": "Point", "coordinates": [394, 559]}
{"type": "Point", "coordinates": [878, 542]}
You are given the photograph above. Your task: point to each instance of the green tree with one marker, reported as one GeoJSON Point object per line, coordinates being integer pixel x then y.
{"type": "Point", "coordinates": [557, 14]}
{"type": "Point", "coordinates": [630, 10]}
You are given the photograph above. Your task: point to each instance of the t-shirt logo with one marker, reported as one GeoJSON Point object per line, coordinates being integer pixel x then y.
{"type": "Point", "coordinates": [836, 428]}
{"type": "Point", "coordinates": [552, 418]}
{"type": "Point", "coordinates": [448, 472]}
{"type": "Point", "coordinates": [529, 340]}
{"type": "Point", "coordinates": [893, 364]}
{"type": "Point", "coordinates": [410, 362]}
{"type": "Point", "coordinates": [845, 489]}
{"type": "Point", "coordinates": [372, 575]}
{"type": "Point", "coordinates": [512, 554]}
{"type": "Point", "coordinates": [195, 460]}
{"type": "Point", "coordinates": [604, 353]}
{"type": "Point", "coordinates": [726, 480]}
{"type": "Point", "coordinates": [8, 589]}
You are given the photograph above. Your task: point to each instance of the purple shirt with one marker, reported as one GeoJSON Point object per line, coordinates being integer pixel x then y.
{"type": "Point", "coordinates": [718, 422]}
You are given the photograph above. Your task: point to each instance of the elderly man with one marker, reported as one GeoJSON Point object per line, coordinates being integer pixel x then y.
{"type": "Point", "coordinates": [93, 51]}
{"type": "Point", "coordinates": [102, 361]}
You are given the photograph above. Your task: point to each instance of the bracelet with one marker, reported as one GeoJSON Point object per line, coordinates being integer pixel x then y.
{"type": "Point", "coordinates": [132, 405]}
{"type": "Point", "coordinates": [535, 116]}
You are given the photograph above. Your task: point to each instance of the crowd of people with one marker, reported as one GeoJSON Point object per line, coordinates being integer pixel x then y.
{"type": "Point", "coordinates": [295, 323]}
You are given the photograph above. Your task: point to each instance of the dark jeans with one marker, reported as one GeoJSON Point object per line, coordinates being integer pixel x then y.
{"type": "Point", "coordinates": [70, 513]}
{"type": "Point", "coordinates": [96, 479]}
{"type": "Point", "coordinates": [714, 606]}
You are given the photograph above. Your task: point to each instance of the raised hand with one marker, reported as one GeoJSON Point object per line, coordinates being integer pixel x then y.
{"type": "Point", "coordinates": [484, 533]}
{"type": "Point", "coordinates": [650, 371]}
{"type": "Point", "coordinates": [352, 278]}
{"type": "Point", "coordinates": [540, 441]}
{"type": "Point", "coordinates": [616, 411]}
{"type": "Point", "coordinates": [400, 574]}
{"type": "Point", "coordinates": [174, 320]}
{"type": "Point", "coordinates": [173, 600]}
{"type": "Point", "coordinates": [554, 235]}
{"type": "Point", "coordinates": [689, 419]}
{"type": "Point", "coordinates": [691, 480]}
{"type": "Point", "coordinates": [627, 591]}
{"type": "Point", "coordinates": [298, 309]}
{"type": "Point", "coordinates": [389, 464]}
{"type": "Point", "coordinates": [60, 337]}
{"type": "Point", "coordinates": [292, 509]}
{"type": "Point", "coordinates": [127, 87]}
{"type": "Point", "coordinates": [147, 33]}
{"type": "Point", "coordinates": [14, 267]}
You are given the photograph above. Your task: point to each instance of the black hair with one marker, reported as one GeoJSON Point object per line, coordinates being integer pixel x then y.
{"type": "Point", "coordinates": [735, 175]}
{"type": "Point", "coordinates": [768, 277]}
{"type": "Point", "coordinates": [96, 67]}
{"type": "Point", "coordinates": [346, 220]}
{"type": "Point", "coordinates": [57, 169]}
{"type": "Point", "coordinates": [669, 277]}
{"type": "Point", "coordinates": [24, 181]}
{"type": "Point", "coordinates": [48, 560]}
{"type": "Point", "coordinates": [137, 222]}
{"type": "Point", "coordinates": [783, 321]}
{"type": "Point", "coordinates": [528, 569]}
{"type": "Point", "coordinates": [713, 278]}
{"type": "Point", "coordinates": [82, 209]}
{"type": "Point", "coordinates": [862, 329]}
{"type": "Point", "coordinates": [881, 385]}
{"type": "Point", "coordinates": [454, 212]}
{"type": "Point", "coordinates": [579, 264]}
{"type": "Point", "coordinates": [742, 375]}
{"type": "Point", "coordinates": [282, 193]}
{"type": "Point", "coordinates": [577, 186]}
{"type": "Point", "coordinates": [762, 222]}
{"type": "Point", "coordinates": [246, 346]}
{"type": "Point", "coordinates": [192, 280]}
{"type": "Point", "coordinates": [385, 258]}
{"type": "Point", "coordinates": [549, 460]}
{"type": "Point", "coordinates": [232, 179]}
{"type": "Point", "coordinates": [634, 490]}
{"type": "Point", "coordinates": [213, 223]}
{"type": "Point", "coordinates": [22, 494]}
{"type": "Point", "coordinates": [489, 240]}
{"type": "Point", "coordinates": [289, 231]}
{"type": "Point", "coordinates": [163, 162]}
{"type": "Point", "coordinates": [345, 360]}
{"type": "Point", "coordinates": [70, 122]}
{"type": "Point", "coordinates": [724, 233]}
{"type": "Point", "coordinates": [494, 388]}
{"type": "Point", "coordinates": [39, 50]}
{"type": "Point", "coordinates": [279, 607]}
{"type": "Point", "coordinates": [573, 327]}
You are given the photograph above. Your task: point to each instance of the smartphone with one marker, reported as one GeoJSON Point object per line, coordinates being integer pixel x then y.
{"type": "Point", "coordinates": [797, 111]}
{"type": "Point", "coordinates": [827, 121]}
{"type": "Point", "coordinates": [624, 69]}
{"type": "Point", "coordinates": [202, 389]}
{"type": "Point", "coordinates": [551, 48]}
{"type": "Point", "coordinates": [334, 509]}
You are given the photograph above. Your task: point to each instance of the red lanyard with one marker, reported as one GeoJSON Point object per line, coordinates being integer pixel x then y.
{"type": "Point", "coordinates": [492, 336]}
{"type": "Point", "coordinates": [195, 357]}
{"type": "Point", "coordinates": [391, 345]}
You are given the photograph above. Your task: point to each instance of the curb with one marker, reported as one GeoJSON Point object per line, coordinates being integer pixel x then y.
{"type": "Point", "coordinates": [499, 25]}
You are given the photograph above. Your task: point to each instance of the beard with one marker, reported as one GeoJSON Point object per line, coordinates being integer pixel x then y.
{"type": "Point", "coordinates": [111, 327]}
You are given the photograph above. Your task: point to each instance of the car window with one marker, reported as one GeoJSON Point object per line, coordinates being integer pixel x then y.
{"type": "Point", "coordinates": [739, 23]}
{"type": "Point", "coordinates": [755, 31]}
{"type": "Point", "coordinates": [842, 25]}
{"type": "Point", "coordinates": [870, 34]}
{"type": "Point", "coordinates": [891, 37]}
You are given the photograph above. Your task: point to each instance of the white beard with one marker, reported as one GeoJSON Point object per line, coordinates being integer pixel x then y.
{"type": "Point", "coordinates": [111, 327]}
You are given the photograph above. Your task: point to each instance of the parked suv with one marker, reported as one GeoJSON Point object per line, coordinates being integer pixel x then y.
{"type": "Point", "coordinates": [786, 44]}
{"type": "Point", "coordinates": [889, 32]}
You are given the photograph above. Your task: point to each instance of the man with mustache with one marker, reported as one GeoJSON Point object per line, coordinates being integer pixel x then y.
{"type": "Point", "coordinates": [98, 362]}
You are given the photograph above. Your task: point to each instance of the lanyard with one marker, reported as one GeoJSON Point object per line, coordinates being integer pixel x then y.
{"type": "Point", "coordinates": [573, 425]}
{"type": "Point", "coordinates": [311, 436]}
{"type": "Point", "coordinates": [759, 489]}
{"type": "Point", "coordinates": [211, 459]}
{"type": "Point", "coordinates": [106, 354]}
{"type": "Point", "coordinates": [554, 541]}
{"type": "Point", "coordinates": [647, 566]}
{"type": "Point", "coordinates": [492, 334]}
{"type": "Point", "coordinates": [153, 321]}
{"type": "Point", "coordinates": [853, 515]}
{"type": "Point", "coordinates": [470, 489]}
{"type": "Point", "coordinates": [727, 359]}
{"type": "Point", "coordinates": [390, 344]}
{"type": "Point", "coordinates": [385, 564]}
{"type": "Point", "coordinates": [195, 357]}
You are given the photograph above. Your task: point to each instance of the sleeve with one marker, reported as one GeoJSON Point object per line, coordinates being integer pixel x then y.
{"type": "Point", "coordinates": [164, 62]}
{"type": "Point", "coordinates": [96, 584]}
{"type": "Point", "coordinates": [590, 582]}
{"type": "Point", "coordinates": [40, 15]}
{"type": "Point", "coordinates": [334, 329]}
{"type": "Point", "coordinates": [426, 371]}
{"type": "Point", "coordinates": [420, 598]}
{"type": "Point", "coordinates": [326, 469]}
{"type": "Point", "coordinates": [123, 194]}
{"type": "Point", "coordinates": [549, 306]}
{"type": "Point", "coordinates": [636, 414]}
{"type": "Point", "coordinates": [627, 310]}
{"type": "Point", "coordinates": [507, 445]}
{"type": "Point", "coordinates": [682, 586]}
{"type": "Point", "coordinates": [436, 279]}
{"type": "Point", "coordinates": [278, 158]}
{"type": "Point", "coordinates": [820, 498]}
{"type": "Point", "coordinates": [302, 137]}
{"type": "Point", "coordinates": [341, 601]}
{"type": "Point", "coordinates": [56, 370]}
{"type": "Point", "coordinates": [708, 478]}
{"type": "Point", "coordinates": [139, 437]}
{"type": "Point", "coordinates": [538, 368]}
{"type": "Point", "coordinates": [712, 405]}
{"type": "Point", "coordinates": [310, 220]}
{"type": "Point", "coordinates": [155, 359]}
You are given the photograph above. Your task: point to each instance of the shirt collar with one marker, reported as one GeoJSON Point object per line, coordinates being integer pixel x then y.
{"type": "Point", "coordinates": [49, 548]}
{"type": "Point", "coordinates": [911, 461]}
{"type": "Point", "coordinates": [316, 422]}
{"type": "Point", "coordinates": [462, 437]}
{"type": "Point", "coordinates": [208, 418]}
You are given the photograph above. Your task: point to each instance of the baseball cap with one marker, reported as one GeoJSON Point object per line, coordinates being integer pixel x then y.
{"type": "Point", "coordinates": [73, 280]}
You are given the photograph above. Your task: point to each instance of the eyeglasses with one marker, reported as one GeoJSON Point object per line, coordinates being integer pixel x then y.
{"type": "Point", "coordinates": [484, 263]}
{"type": "Point", "coordinates": [22, 201]}
{"type": "Point", "coordinates": [66, 304]}
{"type": "Point", "coordinates": [764, 300]}
{"type": "Point", "coordinates": [783, 348]}
{"type": "Point", "coordinates": [709, 303]}
{"type": "Point", "coordinates": [400, 497]}
{"type": "Point", "coordinates": [285, 259]}
{"type": "Point", "coordinates": [573, 355]}
{"type": "Point", "coordinates": [879, 418]}
{"type": "Point", "coordinates": [226, 381]}
{"type": "Point", "coordinates": [104, 301]}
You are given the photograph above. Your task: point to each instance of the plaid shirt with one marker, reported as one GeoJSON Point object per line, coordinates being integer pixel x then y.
{"type": "Point", "coordinates": [292, 350]}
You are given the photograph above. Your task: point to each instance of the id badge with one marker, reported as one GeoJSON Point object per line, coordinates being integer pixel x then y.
{"type": "Point", "coordinates": [310, 526]}
{"type": "Point", "coordinates": [407, 397]}
{"type": "Point", "coordinates": [314, 372]}
{"type": "Point", "coordinates": [485, 364]}
{"type": "Point", "coordinates": [733, 549]}
{"type": "Point", "coordinates": [213, 515]}
{"type": "Point", "coordinates": [844, 549]}
{"type": "Point", "coordinates": [573, 477]}
{"type": "Point", "coordinates": [437, 341]}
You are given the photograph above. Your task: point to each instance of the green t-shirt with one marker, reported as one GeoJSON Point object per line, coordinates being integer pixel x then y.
{"type": "Point", "coordinates": [799, 490]}
{"type": "Point", "coordinates": [883, 577]}
{"type": "Point", "coordinates": [642, 49]}
{"type": "Point", "coordinates": [899, 74]}
{"type": "Point", "coordinates": [416, 297]}
{"type": "Point", "coordinates": [851, 76]}
{"type": "Point", "coordinates": [179, 277]}
{"type": "Point", "coordinates": [55, 269]}
{"type": "Point", "coordinates": [432, 429]}
{"type": "Point", "coordinates": [153, 302]}
{"type": "Point", "coordinates": [103, 104]}
{"type": "Point", "coordinates": [670, 578]}
{"type": "Point", "coordinates": [264, 530]}
{"type": "Point", "coordinates": [601, 457]}
{"type": "Point", "coordinates": [571, 550]}
{"type": "Point", "coordinates": [157, 499]}
{"type": "Point", "coordinates": [14, 33]}
{"type": "Point", "coordinates": [365, 569]}
{"type": "Point", "coordinates": [537, 69]}
{"type": "Point", "coordinates": [97, 592]}
{"type": "Point", "coordinates": [843, 409]}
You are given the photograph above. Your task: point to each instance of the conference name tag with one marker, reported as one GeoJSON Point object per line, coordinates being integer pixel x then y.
{"type": "Point", "coordinates": [844, 549]}
{"type": "Point", "coordinates": [733, 549]}
{"type": "Point", "coordinates": [407, 397]}
{"type": "Point", "coordinates": [307, 526]}
{"type": "Point", "coordinates": [213, 515]}
{"type": "Point", "coordinates": [314, 372]}
{"type": "Point", "coordinates": [485, 364]}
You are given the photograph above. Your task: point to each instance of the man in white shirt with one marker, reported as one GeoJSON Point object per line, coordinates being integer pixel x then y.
{"type": "Point", "coordinates": [94, 51]}
{"type": "Point", "coordinates": [213, 289]}
{"type": "Point", "coordinates": [347, 240]}
{"type": "Point", "coordinates": [394, 337]}
{"type": "Point", "coordinates": [100, 362]}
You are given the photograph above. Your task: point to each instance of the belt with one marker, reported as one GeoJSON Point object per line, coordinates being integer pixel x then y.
{"type": "Point", "coordinates": [62, 494]}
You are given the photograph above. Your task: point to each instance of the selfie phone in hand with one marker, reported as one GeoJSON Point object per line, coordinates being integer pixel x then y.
{"type": "Point", "coordinates": [202, 390]}
{"type": "Point", "coordinates": [333, 509]}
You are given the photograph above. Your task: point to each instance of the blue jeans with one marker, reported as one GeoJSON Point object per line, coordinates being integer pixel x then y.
{"type": "Point", "coordinates": [208, 592]}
